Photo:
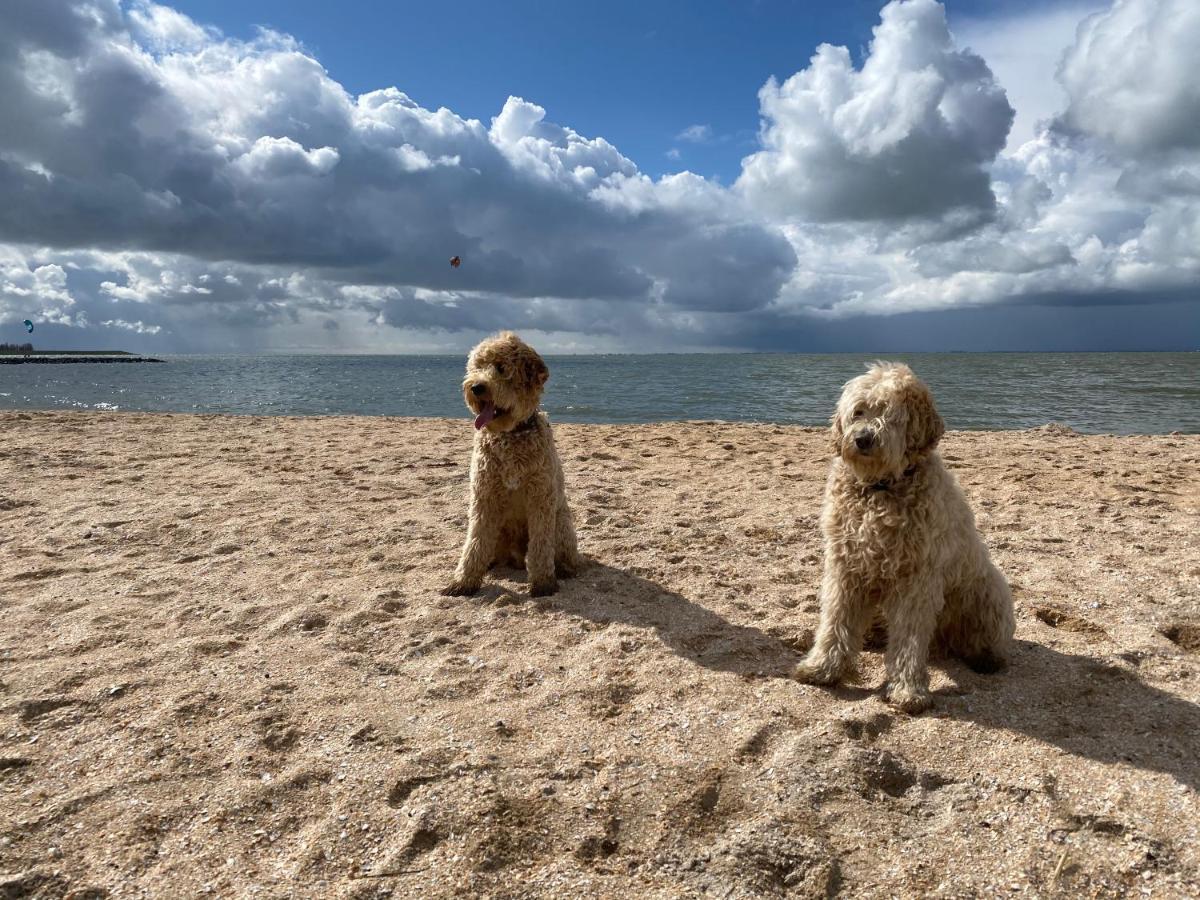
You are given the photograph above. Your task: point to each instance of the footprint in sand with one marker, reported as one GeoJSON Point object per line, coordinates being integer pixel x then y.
{"type": "Point", "coordinates": [214, 647]}
{"type": "Point", "coordinates": [867, 728]}
{"type": "Point", "coordinates": [305, 620]}
{"type": "Point", "coordinates": [878, 772]}
{"type": "Point", "coordinates": [1184, 635]}
{"type": "Point", "coordinates": [277, 732]}
{"type": "Point", "coordinates": [1065, 621]}
{"type": "Point", "coordinates": [39, 574]}
{"type": "Point", "coordinates": [33, 709]}
{"type": "Point", "coordinates": [402, 789]}
{"type": "Point", "coordinates": [759, 742]}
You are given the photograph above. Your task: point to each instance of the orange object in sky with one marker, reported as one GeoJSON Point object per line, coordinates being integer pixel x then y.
{"type": "Point", "coordinates": [456, 261]}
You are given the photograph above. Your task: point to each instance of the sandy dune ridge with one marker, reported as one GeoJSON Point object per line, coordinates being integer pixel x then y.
{"type": "Point", "coordinates": [226, 670]}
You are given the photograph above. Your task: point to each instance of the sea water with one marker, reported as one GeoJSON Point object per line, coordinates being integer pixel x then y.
{"type": "Point", "coordinates": [1091, 392]}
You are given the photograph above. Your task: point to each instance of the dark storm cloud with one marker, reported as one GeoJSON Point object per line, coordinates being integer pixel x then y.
{"type": "Point", "coordinates": [250, 152]}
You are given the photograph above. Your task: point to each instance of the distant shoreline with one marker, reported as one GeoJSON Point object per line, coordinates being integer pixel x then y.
{"type": "Point", "coordinates": [55, 357]}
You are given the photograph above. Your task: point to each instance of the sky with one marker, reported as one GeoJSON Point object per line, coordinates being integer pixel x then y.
{"type": "Point", "coordinates": [286, 176]}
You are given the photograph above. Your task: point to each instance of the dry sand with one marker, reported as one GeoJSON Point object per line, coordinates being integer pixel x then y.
{"type": "Point", "coordinates": [226, 670]}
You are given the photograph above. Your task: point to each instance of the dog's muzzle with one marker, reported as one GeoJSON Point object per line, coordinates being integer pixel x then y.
{"type": "Point", "coordinates": [864, 441]}
{"type": "Point", "coordinates": [479, 389]}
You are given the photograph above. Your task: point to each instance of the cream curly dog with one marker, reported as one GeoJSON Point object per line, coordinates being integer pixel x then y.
{"type": "Point", "coordinates": [900, 541]}
{"type": "Point", "coordinates": [518, 511]}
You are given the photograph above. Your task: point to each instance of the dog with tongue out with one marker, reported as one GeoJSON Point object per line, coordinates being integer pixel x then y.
{"type": "Point", "coordinates": [518, 513]}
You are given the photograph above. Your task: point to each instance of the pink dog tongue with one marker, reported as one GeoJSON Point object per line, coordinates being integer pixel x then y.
{"type": "Point", "coordinates": [489, 413]}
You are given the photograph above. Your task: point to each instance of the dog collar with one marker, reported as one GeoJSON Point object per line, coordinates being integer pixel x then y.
{"type": "Point", "coordinates": [886, 484]}
{"type": "Point", "coordinates": [529, 423]}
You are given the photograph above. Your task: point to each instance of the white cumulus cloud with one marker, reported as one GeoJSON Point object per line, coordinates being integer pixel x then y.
{"type": "Point", "coordinates": [910, 134]}
{"type": "Point", "coordinates": [1131, 76]}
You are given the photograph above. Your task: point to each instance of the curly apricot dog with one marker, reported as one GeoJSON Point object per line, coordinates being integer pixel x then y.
{"type": "Point", "coordinates": [900, 540]}
{"type": "Point", "coordinates": [518, 512]}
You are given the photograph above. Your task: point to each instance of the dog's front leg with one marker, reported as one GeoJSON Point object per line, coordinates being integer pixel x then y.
{"type": "Point", "coordinates": [912, 619]}
{"type": "Point", "coordinates": [543, 531]}
{"type": "Point", "coordinates": [845, 614]}
{"type": "Point", "coordinates": [477, 553]}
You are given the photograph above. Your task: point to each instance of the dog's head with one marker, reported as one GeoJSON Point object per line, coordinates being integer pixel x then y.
{"type": "Point", "coordinates": [885, 421]}
{"type": "Point", "coordinates": [504, 382]}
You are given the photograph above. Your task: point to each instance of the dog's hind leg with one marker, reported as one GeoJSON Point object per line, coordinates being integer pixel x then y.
{"type": "Point", "coordinates": [567, 561]}
{"type": "Point", "coordinates": [981, 633]}
{"type": "Point", "coordinates": [543, 530]}
{"type": "Point", "coordinates": [912, 618]}
{"type": "Point", "coordinates": [845, 615]}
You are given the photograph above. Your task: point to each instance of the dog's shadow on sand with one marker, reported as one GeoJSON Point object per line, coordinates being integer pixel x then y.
{"type": "Point", "coordinates": [1091, 708]}
{"type": "Point", "coordinates": [1084, 705]}
{"type": "Point", "coordinates": [606, 594]}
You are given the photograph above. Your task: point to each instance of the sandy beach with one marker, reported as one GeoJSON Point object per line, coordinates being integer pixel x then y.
{"type": "Point", "coordinates": [226, 670]}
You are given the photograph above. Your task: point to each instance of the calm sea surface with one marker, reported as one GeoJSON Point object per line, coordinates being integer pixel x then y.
{"type": "Point", "coordinates": [1091, 392]}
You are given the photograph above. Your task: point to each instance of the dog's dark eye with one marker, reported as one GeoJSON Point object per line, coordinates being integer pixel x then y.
{"type": "Point", "coordinates": [857, 414]}
{"type": "Point", "coordinates": [499, 369]}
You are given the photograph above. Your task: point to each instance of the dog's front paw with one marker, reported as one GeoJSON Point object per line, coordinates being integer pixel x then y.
{"type": "Point", "coordinates": [460, 588]}
{"type": "Point", "coordinates": [816, 670]}
{"type": "Point", "coordinates": [543, 588]}
{"type": "Point", "coordinates": [908, 699]}
{"type": "Point", "coordinates": [985, 662]}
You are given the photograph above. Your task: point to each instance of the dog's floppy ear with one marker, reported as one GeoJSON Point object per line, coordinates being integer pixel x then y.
{"type": "Point", "coordinates": [925, 426]}
{"type": "Point", "coordinates": [536, 371]}
{"type": "Point", "coordinates": [835, 431]}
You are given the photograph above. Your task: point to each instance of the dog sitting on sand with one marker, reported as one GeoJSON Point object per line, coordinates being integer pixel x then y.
{"type": "Point", "coordinates": [900, 541]}
{"type": "Point", "coordinates": [518, 510]}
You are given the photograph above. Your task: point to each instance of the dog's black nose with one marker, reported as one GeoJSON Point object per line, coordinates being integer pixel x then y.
{"type": "Point", "coordinates": [478, 389]}
{"type": "Point", "coordinates": [864, 441]}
